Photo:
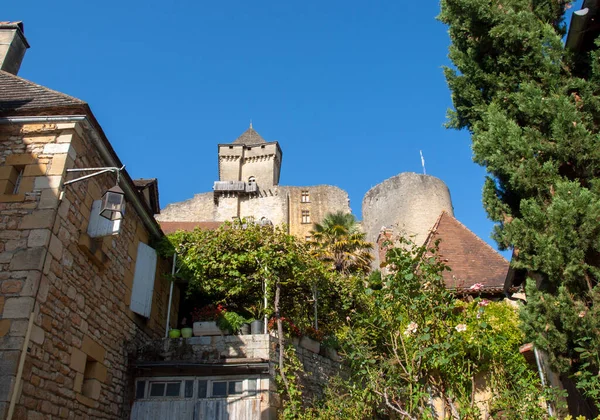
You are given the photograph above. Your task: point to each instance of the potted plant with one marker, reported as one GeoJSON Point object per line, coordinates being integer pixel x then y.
{"type": "Point", "coordinates": [257, 326]}
{"type": "Point", "coordinates": [311, 340]}
{"type": "Point", "coordinates": [174, 333]}
{"type": "Point", "coordinates": [186, 332]}
{"type": "Point", "coordinates": [245, 329]}
{"type": "Point", "coordinates": [231, 321]}
{"type": "Point", "coordinates": [205, 320]}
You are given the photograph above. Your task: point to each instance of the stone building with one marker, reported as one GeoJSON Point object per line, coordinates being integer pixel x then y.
{"type": "Point", "coordinates": [248, 187]}
{"type": "Point", "coordinates": [76, 290]}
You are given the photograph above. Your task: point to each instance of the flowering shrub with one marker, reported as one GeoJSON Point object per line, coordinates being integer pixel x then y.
{"type": "Point", "coordinates": [315, 334]}
{"type": "Point", "coordinates": [207, 313]}
{"type": "Point", "coordinates": [417, 340]}
{"type": "Point", "coordinates": [289, 328]}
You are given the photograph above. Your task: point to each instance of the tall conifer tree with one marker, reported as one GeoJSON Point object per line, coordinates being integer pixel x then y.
{"type": "Point", "coordinates": [534, 118]}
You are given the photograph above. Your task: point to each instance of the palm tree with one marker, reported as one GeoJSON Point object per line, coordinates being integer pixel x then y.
{"type": "Point", "coordinates": [339, 241]}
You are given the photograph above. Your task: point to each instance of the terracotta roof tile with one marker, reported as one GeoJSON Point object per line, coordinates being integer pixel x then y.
{"type": "Point", "coordinates": [470, 258]}
{"type": "Point", "coordinates": [18, 94]}
{"type": "Point", "coordinates": [171, 227]}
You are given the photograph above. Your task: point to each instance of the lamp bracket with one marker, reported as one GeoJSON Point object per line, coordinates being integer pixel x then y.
{"type": "Point", "coordinates": [98, 172]}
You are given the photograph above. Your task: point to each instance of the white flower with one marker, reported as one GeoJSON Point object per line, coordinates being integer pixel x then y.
{"type": "Point", "coordinates": [581, 314]}
{"type": "Point", "coordinates": [411, 328]}
{"type": "Point", "coordinates": [461, 327]}
{"type": "Point", "coordinates": [476, 287]}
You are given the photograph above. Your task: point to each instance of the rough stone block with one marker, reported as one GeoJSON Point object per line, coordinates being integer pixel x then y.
{"type": "Point", "coordinates": [21, 159]}
{"type": "Point", "coordinates": [65, 137]}
{"type": "Point", "coordinates": [9, 361]}
{"type": "Point", "coordinates": [8, 172]}
{"type": "Point", "coordinates": [6, 186]}
{"type": "Point", "coordinates": [56, 148]}
{"type": "Point", "coordinates": [36, 169]}
{"type": "Point", "coordinates": [95, 370]}
{"type": "Point", "coordinates": [38, 237]}
{"type": "Point", "coordinates": [17, 307]}
{"type": "Point", "coordinates": [40, 219]}
{"type": "Point", "coordinates": [10, 234]}
{"type": "Point", "coordinates": [93, 349]}
{"type": "Point", "coordinates": [6, 386]}
{"type": "Point", "coordinates": [78, 383]}
{"type": "Point", "coordinates": [10, 287]}
{"type": "Point", "coordinates": [57, 165]}
{"type": "Point", "coordinates": [37, 335]}
{"type": "Point", "coordinates": [12, 198]}
{"type": "Point", "coordinates": [86, 401]}
{"type": "Point", "coordinates": [28, 259]}
{"type": "Point", "coordinates": [78, 360]}
{"type": "Point", "coordinates": [42, 182]}
{"type": "Point", "coordinates": [8, 342]}
{"type": "Point", "coordinates": [56, 247]}
{"type": "Point", "coordinates": [48, 199]}
{"type": "Point", "coordinates": [202, 341]}
{"type": "Point", "coordinates": [38, 139]}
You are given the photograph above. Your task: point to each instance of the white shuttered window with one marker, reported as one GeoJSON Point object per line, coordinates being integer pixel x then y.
{"type": "Point", "coordinates": [143, 280]}
{"type": "Point", "coordinates": [101, 226]}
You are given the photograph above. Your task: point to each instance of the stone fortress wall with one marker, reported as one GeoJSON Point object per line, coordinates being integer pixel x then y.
{"type": "Point", "coordinates": [281, 205]}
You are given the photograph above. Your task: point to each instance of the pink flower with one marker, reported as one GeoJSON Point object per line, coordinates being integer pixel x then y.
{"type": "Point", "coordinates": [484, 302]}
{"type": "Point", "coordinates": [461, 327]}
{"type": "Point", "coordinates": [476, 287]}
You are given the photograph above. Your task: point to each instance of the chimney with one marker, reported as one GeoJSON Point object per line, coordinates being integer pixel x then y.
{"type": "Point", "coordinates": [12, 46]}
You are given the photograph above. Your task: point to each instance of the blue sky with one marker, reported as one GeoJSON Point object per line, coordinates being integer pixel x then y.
{"type": "Point", "coordinates": [352, 90]}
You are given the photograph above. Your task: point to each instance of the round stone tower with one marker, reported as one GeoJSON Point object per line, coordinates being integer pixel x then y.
{"type": "Point", "coordinates": [408, 204]}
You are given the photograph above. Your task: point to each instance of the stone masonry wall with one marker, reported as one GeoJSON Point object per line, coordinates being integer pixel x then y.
{"type": "Point", "coordinates": [78, 288]}
{"type": "Point", "coordinates": [199, 208]}
{"type": "Point", "coordinates": [281, 205]}
{"type": "Point", "coordinates": [322, 199]}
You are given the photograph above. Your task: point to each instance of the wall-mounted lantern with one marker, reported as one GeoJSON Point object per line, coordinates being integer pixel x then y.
{"type": "Point", "coordinates": [113, 203]}
{"type": "Point", "coordinates": [113, 200]}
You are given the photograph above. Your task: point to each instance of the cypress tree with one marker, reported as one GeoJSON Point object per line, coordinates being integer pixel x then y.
{"type": "Point", "coordinates": [534, 120]}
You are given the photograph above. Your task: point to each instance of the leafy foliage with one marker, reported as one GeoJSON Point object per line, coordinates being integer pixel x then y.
{"type": "Point", "coordinates": [534, 114]}
{"type": "Point", "coordinates": [338, 242]}
{"type": "Point", "coordinates": [230, 266]}
{"type": "Point", "coordinates": [417, 341]}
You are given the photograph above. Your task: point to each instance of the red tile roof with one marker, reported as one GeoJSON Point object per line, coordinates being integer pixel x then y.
{"type": "Point", "coordinates": [470, 258]}
{"type": "Point", "coordinates": [171, 227]}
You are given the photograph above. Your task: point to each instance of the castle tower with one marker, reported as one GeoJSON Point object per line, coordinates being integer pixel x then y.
{"type": "Point", "coordinates": [407, 204]}
{"type": "Point", "coordinates": [250, 159]}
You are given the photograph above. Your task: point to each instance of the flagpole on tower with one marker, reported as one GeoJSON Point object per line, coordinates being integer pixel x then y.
{"type": "Point", "coordinates": [422, 162]}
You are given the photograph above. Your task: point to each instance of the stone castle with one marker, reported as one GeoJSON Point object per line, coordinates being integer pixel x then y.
{"type": "Point", "coordinates": [248, 187]}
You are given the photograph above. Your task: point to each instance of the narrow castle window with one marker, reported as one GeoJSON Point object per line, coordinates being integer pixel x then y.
{"type": "Point", "coordinates": [20, 170]}
{"type": "Point", "coordinates": [305, 197]}
{"type": "Point", "coordinates": [305, 216]}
